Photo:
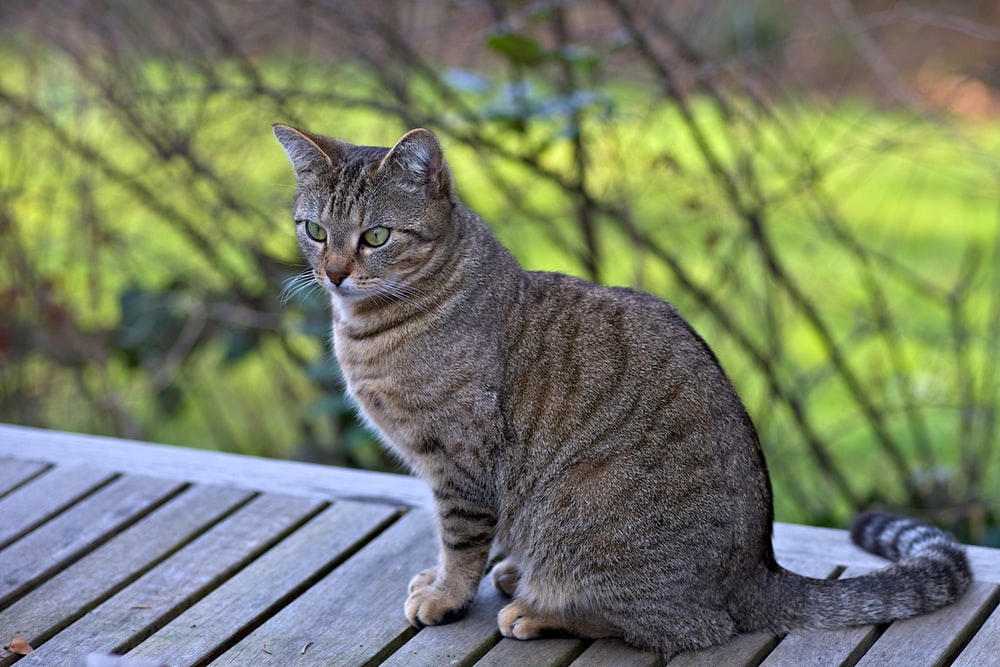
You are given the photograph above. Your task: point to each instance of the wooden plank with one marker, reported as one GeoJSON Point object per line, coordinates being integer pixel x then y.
{"type": "Point", "coordinates": [255, 593]}
{"type": "Point", "coordinates": [45, 496]}
{"type": "Point", "coordinates": [823, 545]}
{"type": "Point", "coordinates": [748, 649]}
{"type": "Point", "coordinates": [983, 650]}
{"type": "Point", "coordinates": [13, 473]}
{"type": "Point", "coordinates": [212, 467]}
{"type": "Point", "coordinates": [456, 643]}
{"type": "Point", "coordinates": [98, 660]}
{"type": "Point", "coordinates": [353, 615]}
{"type": "Point", "coordinates": [161, 594]}
{"type": "Point", "coordinates": [604, 652]}
{"type": "Point", "coordinates": [821, 648]}
{"type": "Point", "coordinates": [932, 639]}
{"type": "Point", "coordinates": [57, 543]}
{"type": "Point", "coordinates": [79, 588]}
{"type": "Point", "coordinates": [534, 652]}
{"type": "Point", "coordinates": [824, 647]}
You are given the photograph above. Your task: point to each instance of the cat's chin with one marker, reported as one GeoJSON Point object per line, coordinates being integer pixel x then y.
{"type": "Point", "coordinates": [348, 294]}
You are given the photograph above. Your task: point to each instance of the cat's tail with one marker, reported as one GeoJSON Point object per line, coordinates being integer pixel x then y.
{"type": "Point", "coordinates": [930, 572]}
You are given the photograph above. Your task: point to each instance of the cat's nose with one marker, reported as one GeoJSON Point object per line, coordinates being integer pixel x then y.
{"type": "Point", "coordinates": [336, 276]}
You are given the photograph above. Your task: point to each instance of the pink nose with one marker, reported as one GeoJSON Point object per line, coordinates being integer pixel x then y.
{"type": "Point", "coordinates": [336, 276]}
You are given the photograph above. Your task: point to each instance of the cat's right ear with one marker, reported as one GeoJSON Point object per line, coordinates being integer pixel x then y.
{"type": "Point", "coordinates": [308, 153]}
{"type": "Point", "coordinates": [418, 159]}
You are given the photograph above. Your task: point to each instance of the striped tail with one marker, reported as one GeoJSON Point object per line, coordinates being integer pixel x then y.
{"type": "Point", "coordinates": [929, 552]}
{"type": "Point", "coordinates": [931, 570]}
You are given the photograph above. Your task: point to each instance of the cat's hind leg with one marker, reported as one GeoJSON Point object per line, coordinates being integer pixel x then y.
{"type": "Point", "coordinates": [668, 632]}
{"type": "Point", "coordinates": [524, 620]}
{"type": "Point", "coordinates": [506, 576]}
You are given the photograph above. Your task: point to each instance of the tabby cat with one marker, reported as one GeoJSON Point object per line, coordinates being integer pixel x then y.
{"type": "Point", "coordinates": [585, 436]}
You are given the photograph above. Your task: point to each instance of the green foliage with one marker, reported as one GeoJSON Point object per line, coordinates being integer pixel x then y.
{"type": "Point", "coordinates": [519, 49]}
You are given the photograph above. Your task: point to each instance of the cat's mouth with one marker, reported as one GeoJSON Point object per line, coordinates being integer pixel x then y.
{"type": "Point", "coordinates": [348, 288]}
{"type": "Point", "coordinates": [339, 284]}
{"type": "Point", "coordinates": [345, 290]}
{"type": "Point", "coordinates": [384, 291]}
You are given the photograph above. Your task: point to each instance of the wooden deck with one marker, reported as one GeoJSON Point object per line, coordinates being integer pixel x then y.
{"type": "Point", "coordinates": [184, 557]}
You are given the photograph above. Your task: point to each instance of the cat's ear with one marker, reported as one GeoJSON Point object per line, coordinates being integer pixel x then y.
{"type": "Point", "coordinates": [418, 159]}
{"type": "Point", "coordinates": [309, 153]}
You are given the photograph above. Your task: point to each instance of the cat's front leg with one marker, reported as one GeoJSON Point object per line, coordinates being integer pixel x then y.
{"type": "Point", "coordinates": [444, 593]}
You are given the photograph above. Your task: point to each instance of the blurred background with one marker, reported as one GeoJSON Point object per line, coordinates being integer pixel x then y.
{"type": "Point", "coordinates": [815, 184]}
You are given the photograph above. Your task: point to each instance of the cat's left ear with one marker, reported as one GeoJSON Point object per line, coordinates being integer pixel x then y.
{"type": "Point", "coordinates": [418, 159]}
{"type": "Point", "coordinates": [309, 153]}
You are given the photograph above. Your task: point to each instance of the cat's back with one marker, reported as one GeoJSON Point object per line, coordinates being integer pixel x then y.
{"type": "Point", "coordinates": [581, 339]}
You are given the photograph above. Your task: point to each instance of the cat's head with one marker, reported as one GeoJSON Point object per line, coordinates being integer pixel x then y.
{"type": "Point", "coordinates": [369, 219]}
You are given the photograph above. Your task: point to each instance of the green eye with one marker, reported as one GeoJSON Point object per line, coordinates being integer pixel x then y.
{"type": "Point", "coordinates": [375, 236]}
{"type": "Point", "coordinates": [315, 232]}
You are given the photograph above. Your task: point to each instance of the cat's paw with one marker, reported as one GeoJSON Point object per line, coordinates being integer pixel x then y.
{"type": "Point", "coordinates": [431, 604]}
{"type": "Point", "coordinates": [519, 620]}
{"type": "Point", "coordinates": [506, 577]}
{"type": "Point", "coordinates": [423, 579]}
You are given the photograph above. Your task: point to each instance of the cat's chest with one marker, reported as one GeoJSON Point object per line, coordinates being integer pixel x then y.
{"type": "Point", "coordinates": [378, 382]}
{"type": "Point", "coordinates": [417, 389]}
{"type": "Point", "coordinates": [392, 382]}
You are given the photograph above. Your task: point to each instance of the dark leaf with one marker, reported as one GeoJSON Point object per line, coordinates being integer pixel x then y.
{"type": "Point", "coordinates": [519, 49]}
{"type": "Point", "coordinates": [241, 343]}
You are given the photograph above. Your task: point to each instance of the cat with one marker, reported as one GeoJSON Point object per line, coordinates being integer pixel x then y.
{"type": "Point", "coordinates": [583, 438]}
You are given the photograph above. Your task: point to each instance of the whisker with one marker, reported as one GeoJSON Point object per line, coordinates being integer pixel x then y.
{"type": "Point", "coordinates": [297, 286]}
{"type": "Point", "coordinates": [391, 289]}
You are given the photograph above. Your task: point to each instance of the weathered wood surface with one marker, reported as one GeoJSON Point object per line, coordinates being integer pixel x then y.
{"type": "Point", "coordinates": [174, 558]}
{"type": "Point", "coordinates": [210, 467]}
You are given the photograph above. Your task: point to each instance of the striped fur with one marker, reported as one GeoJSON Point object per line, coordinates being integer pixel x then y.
{"type": "Point", "coordinates": [584, 435]}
